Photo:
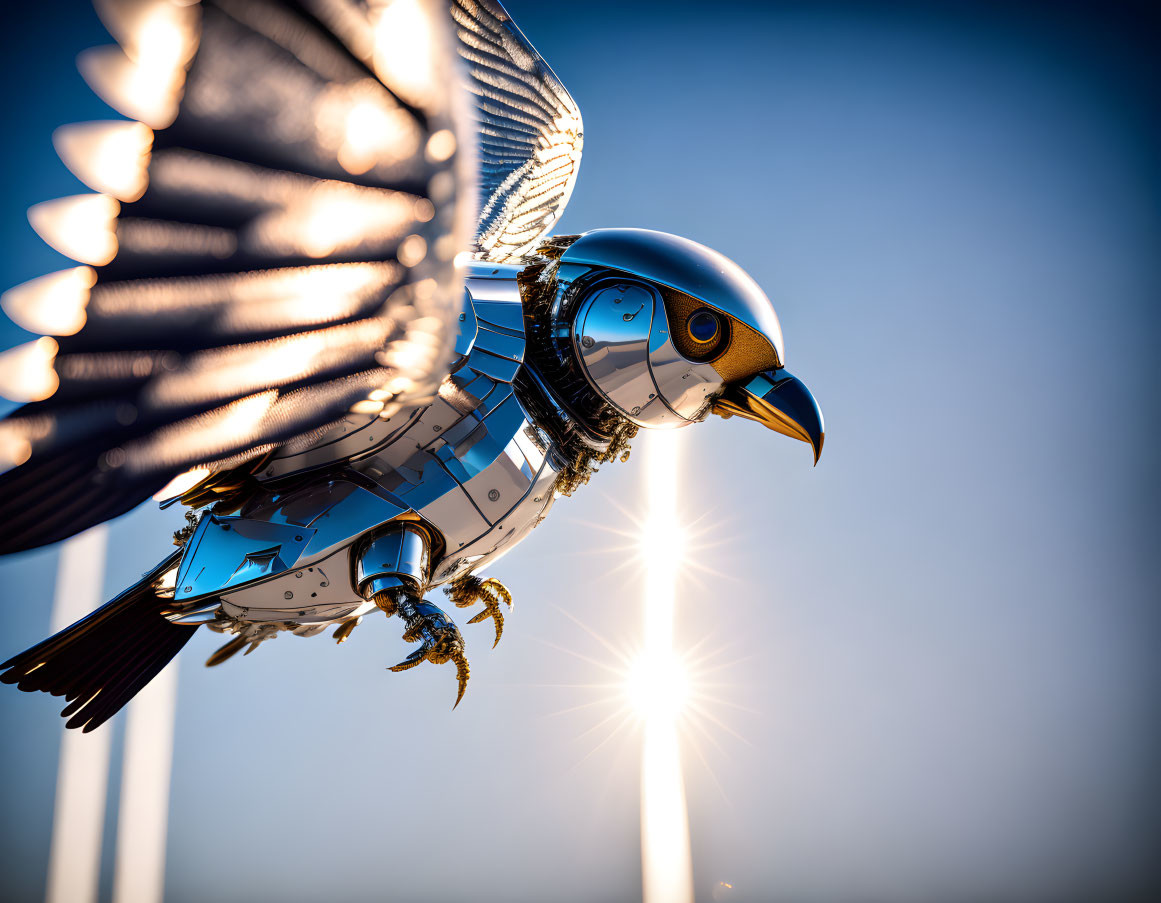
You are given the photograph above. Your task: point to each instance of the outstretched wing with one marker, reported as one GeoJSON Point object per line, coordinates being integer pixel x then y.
{"type": "Point", "coordinates": [528, 131]}
{"type": "Point", "coordinates": [271, 246]}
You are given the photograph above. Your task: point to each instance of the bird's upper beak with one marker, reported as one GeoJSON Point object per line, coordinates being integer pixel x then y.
{"type": "Point", "coordinates": [779, 401]}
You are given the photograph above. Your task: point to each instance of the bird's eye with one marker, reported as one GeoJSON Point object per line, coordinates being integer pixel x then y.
{"type": "Point", "coordinates": [704, 327]}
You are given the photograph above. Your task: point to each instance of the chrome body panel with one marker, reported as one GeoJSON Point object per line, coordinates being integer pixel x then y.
{"type": "Point", "coordinates": [316, 594]}
{"type": "Point", "coordinates": [621, 336]}
{"type": "Point", "coordinates": [686, 266]}
{"type": "Point", "coordinates": [400, 557]}
{"type": "Point", "coordinates": [472, 464]}
{"type": "Point", "coordinates": [686, 386]}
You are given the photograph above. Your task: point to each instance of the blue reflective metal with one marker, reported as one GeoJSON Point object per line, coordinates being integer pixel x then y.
{"type": "Point", "coordinates": [780, 401]}
{"type": "Point", "coordinates": [466, 326]}
{"type": "Point", "coordinates": [400, 556]}
{"type": "Point", "coordinates": [474, 464]}
{"type": "Point", "coordinates": [232, 551]}
{"type": "Point", "coordinates": [686, 266]}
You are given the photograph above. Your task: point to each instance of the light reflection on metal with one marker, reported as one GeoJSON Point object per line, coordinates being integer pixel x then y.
{"type": "Point", "coordinates": [109, 157]}
{"type": "Point", "coordinates": [224, 373]}
{"type": "Point", "coordinates": [245, 302]}
{"type": "Point", "coordinates": [53, 304]}
{"type": "Point", "coordinates": [216, 430]}
{"type": "Point", "coordinates": [405, 54]}
{"type": "Point", "coordinates": [780, 402]}
{"type": "Point", "coordinates": [152, 29]}
{"type": "Point", "coordinates": [687, 266]}
{"type": "Point", "coordinates": [181, 484]}
{"type": "Point", "coordinates": [365, 126]}
{"type": "Point", "coordinates": [144, 77]}
{"type": "Point", "coordinates": [132, 90]}
{"type": "Point", "coordinates": [83, 227]}
{"type": "Point", "coordinates": [27, 373]}
{"type": "Point", "coordinates": [441, 145]}
{"type": "Point", "coordinates": [412, 250]}
{"type": "Point", "coordinates": [332, 217]}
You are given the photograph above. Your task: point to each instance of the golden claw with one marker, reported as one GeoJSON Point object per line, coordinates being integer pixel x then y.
{"type": "Point", "coordinates": [463, 672]}
{"type": "Point", "coordinates": [439, 642]}
{"type": "Point", "coordinates": [226, 651]}
{"type": "Point", "coordinates": [469, 590]}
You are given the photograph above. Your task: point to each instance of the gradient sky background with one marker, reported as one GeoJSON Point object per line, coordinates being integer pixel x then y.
{"type": "Point", "coordinates": [938, 649]}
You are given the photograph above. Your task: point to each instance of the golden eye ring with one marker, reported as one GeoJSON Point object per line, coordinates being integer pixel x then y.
{"type": "Point", "coordinates": [703, 327]}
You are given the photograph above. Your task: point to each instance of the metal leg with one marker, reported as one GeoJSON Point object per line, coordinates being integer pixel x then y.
{"type": "Point", "coordinates": [438, 637]}
{"type": "Point", "coordinates": [393, 571]}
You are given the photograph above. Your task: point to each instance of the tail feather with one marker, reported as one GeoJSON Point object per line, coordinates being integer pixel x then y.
{"type": "Point", "coordinates": [102, 661]}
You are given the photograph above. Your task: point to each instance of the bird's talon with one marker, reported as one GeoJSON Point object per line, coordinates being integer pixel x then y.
{"type": "Point", "coordinates": [470, 589]}
{"type": "Point", "coordinates": [439, 640]}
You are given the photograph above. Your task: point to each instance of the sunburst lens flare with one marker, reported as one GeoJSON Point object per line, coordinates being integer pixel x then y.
{"type": "Point", "coordinates": [26, 371]}
{"type": "Point", "coordinates": [658, 686]}
{"type": "Point", "coordinates": [83, 227]}
{"type": "Point", "coordinates": [53, 304]}
{"type": "Point", "coordinates": [109, 157]}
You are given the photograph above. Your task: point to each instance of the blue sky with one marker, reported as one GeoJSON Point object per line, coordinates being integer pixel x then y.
{"type": "Point", "coordinates": [936, 650]}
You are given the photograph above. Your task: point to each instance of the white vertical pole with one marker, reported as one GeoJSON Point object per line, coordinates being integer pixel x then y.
{"type": "Point", "coordinates": [74, 864]}
{"type": "Point", "coordinates": [666, 865]}
{"type": "Point", "coordinates": [139, 873]}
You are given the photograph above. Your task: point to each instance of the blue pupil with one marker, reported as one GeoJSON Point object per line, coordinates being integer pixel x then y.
{"type": "Point", "coordinates": [703, 326]}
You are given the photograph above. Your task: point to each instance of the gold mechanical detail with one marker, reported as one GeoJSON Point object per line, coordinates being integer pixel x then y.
{"type": "Point", "coordinates": [469, 590]}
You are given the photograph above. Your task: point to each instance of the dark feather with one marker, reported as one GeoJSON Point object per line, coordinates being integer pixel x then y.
{"type": "Point", "coordinates": [103, 660]}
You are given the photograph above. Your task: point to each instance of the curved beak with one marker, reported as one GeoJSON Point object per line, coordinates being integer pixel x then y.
{"type": "Point", "coordinates": [778, 401]}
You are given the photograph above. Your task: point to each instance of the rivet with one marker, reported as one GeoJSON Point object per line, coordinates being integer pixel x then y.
{"type": "Point", "coordinates": [437, 427]}
{"type": "Point", "coordinates": [187, 589]}
{"type": "Point", "coordinates": [636, 410]}
{"type": "Point", "coordinates": [493, 495]}
{"type": "Point", "coordinates": [298, 539]}
{"type": "Point", "coordinates": [463, 317]}
{"type": "Point", "coordinates": [288, 595]}
{"type": "Point", "coordinates": [299, 574]}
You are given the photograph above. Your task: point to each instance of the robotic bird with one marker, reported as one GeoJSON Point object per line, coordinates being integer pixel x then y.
{"type": "Point", "coordinates": [272, 326]}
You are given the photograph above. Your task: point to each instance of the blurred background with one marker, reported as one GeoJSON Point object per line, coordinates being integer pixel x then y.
{"type": "Point", "coordinates": [928, 667]}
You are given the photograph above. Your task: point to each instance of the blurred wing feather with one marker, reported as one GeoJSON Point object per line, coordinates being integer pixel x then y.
{"type": "Point", "coordinates": [272, 246]}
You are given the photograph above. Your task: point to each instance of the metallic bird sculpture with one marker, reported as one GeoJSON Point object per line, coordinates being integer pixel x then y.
{"type": "Point", "coordinates": [316, 304]}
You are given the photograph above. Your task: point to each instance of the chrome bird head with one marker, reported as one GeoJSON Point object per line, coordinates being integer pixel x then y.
{"type": "Point", "coordinates": [667, 331]}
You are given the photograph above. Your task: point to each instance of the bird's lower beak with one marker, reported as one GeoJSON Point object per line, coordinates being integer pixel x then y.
{"type": "Point", "coordinates": [779, 401]}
